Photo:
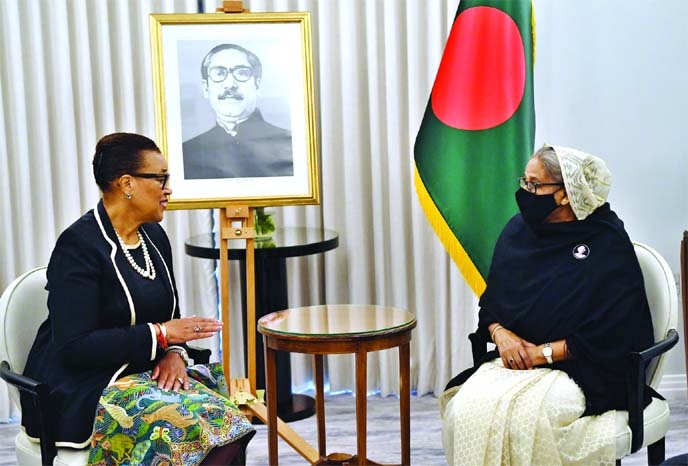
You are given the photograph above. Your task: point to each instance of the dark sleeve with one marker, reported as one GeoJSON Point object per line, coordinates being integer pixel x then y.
{"type": "Point", "coordinates": [484, 320]}
{"type": "Point", "coordinates": [76, 276]}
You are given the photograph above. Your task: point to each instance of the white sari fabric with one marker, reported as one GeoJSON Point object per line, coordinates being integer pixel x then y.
{"type": "Point", "coordinates": [523, 417]}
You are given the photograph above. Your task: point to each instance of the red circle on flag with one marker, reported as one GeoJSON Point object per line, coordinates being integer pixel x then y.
{"type": "Point", "coordinates": [481, 78]}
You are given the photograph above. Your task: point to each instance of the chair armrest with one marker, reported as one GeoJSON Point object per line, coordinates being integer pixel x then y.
{"type": "Point", "coordinates": [22, 382]}
{"type": "Point", "coordinates": [40, 397]}
{"type": "Point", "coordinates": [635, 384]}
{"type": "Point", "coordinates": [199, 355]}
{"type": "Point", "coordinates": [478, 347]}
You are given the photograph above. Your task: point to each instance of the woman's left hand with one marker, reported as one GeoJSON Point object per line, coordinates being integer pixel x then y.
{"type": "Point", "coordinates": [185, 329]}
{"type": "Point", "coordinates": [170, 372]}
{"type": "Point", "coordinates": [513, 349]}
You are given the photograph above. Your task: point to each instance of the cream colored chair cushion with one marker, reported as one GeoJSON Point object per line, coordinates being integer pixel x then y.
{"type": "Point", "coordinates": [29, 453]}
{"type": "Point", "coordinates": [656, 417]}
{"type": "Point", "coordinates": [662, 297]}
{"type": "Point", "coordinates": [23, 308]}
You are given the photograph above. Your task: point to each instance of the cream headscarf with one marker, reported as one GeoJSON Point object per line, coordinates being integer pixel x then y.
{"type": "Point", "coordinates": [587, 180]}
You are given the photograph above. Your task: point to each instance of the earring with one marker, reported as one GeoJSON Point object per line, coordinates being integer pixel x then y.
{"type": "Point", "coordinates": [565, 201]}
{"type": "Point", "coordinates": [128, 195]}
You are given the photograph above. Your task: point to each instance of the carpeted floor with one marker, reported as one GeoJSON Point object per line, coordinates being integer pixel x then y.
{"type": "Point", "coordinates": [383, 432]}
{"type": "Point", "coordinates": [426, 442]}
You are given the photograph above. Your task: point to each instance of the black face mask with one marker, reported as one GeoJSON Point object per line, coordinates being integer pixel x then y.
{"type": "Point", "coordinates": [534, 208]}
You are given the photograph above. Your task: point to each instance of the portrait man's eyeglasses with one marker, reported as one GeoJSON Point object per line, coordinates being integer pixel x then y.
{"type": "Point", "coordinates": [532, 186]}
{"type": "Point", "coordinates": [241, 73]}
{"type": "Point", "coordinates": [161, 177]}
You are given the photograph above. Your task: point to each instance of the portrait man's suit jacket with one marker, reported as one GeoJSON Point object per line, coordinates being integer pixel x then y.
{"type": "Point", "coordinates": [258, 149]}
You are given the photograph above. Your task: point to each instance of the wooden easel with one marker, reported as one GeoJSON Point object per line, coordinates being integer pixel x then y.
{"type": "Point", "coordinates": [242, 389]}
{"type": "Point", "coordinates": [244, 215]}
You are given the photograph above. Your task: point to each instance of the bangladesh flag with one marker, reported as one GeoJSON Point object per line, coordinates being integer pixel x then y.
{"type": "Point", "coordinates": [478, 129]}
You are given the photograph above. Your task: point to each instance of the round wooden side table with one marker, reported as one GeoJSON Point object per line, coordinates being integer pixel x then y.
{"type": "Point", "coordinates": [339, 329]}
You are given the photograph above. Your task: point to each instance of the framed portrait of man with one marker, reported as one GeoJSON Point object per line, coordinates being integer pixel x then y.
{"type": "Point", "coordinates": [235, 109]}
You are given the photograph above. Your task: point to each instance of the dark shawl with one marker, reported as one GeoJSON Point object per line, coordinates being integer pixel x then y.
{"type": "Point", "coordinates": [540, 291]}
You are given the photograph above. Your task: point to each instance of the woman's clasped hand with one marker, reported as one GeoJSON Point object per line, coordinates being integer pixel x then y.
{"type": "Point", "coordinates": [514, 350]}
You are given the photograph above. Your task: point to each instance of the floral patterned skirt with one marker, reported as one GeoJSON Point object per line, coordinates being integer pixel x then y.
{"type": "Point", "coordinates": [138, 423]}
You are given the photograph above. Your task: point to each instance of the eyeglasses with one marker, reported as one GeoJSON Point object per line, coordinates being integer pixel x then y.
{"type": "Point", "coordinates": [241, 73]}
{"type": "Point", "coordinates": [532, 186]}
{"type": "Point", "coordinates": [161, 177]}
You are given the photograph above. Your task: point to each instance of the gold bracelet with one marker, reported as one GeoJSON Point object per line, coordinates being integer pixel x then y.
{"type": "Point", "coordinates": [494, 331]}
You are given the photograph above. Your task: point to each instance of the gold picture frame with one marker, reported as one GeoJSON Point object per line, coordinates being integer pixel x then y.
{"type": "Point", "coordinates": [234, 108]}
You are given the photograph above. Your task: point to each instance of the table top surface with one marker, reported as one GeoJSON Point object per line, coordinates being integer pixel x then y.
{"type": "Point", "coordinates": [285, 242]}
{"type": "Point", "coordinates": [351, 320]}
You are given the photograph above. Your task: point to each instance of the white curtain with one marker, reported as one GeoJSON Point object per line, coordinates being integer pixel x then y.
{"type": "Point", "coordinates": [74, 70]}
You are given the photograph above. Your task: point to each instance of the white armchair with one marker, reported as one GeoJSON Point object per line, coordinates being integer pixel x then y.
{"type": "Point", "coordinates": [23, 307]}
{"type": "Point", "coordinates": [647, 427]}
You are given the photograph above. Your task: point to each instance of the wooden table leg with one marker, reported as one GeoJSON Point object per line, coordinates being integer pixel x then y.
{"type": "Point", "coordinates": [405, 402]}
{"type": "Point", "coordinates": [361, 405]}
{"type": "Point", "coordinates": [320, 403]}
{"type": "Point", "coordinates": [271, 388]}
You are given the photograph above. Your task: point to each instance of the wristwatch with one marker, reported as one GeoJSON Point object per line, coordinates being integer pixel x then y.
{"type": "Point", "coordinates": [181, 352]}
{"type": "Point", "coordinates": [547, 353]}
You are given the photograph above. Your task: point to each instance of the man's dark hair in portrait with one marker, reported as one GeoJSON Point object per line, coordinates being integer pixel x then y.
{"type": "Point", "coordinates": [241, 144]}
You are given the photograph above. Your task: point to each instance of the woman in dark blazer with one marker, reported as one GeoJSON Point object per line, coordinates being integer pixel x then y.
{"type": "Point", "coordinates": [113, 349]}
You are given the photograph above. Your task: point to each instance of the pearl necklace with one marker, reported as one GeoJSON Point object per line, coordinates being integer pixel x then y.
{"type": "Point", "coordinates": [150, 269]}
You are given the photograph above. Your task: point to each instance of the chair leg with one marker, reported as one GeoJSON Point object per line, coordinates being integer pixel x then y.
{"type": "Point", "coordinates": [655, 453]}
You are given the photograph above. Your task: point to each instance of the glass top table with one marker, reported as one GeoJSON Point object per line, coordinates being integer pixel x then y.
{"type": "Point", "coordinates": [349, 321]}
{"type": "Point", "coordinates": [338, 329]}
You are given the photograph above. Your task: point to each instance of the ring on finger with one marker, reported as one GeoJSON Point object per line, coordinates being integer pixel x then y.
{"type": "Point", "coordinates": [197, 329]}
{"type": "Point", "coordinates": [511, 360]}
{"type": "Point", "coordinates": [180, 380]}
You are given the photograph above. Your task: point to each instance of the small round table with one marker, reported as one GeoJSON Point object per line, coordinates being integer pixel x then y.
{"type": "Point", "coordinates": [339, 329]}
{"type": "Point", "coordinates": [271, 292]}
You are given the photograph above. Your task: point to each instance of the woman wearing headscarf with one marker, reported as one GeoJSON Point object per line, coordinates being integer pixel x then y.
{"type": "Point", "coordinates": [564, 304]}
{"type": "Point", "coordinates": [113, 349]}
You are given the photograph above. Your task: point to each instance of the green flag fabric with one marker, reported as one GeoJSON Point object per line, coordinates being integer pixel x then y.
{"type": "Point", "coordinates": [478, 130]}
